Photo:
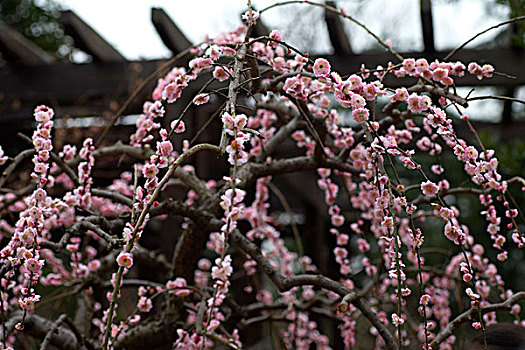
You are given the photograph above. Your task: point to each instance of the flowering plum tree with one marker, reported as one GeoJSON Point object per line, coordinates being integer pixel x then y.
{"type": "Point", "coordinates": [234, 272]}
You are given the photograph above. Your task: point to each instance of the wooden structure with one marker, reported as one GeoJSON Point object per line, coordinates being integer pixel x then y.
{"type": "Point", "coordinates": [31, 76]}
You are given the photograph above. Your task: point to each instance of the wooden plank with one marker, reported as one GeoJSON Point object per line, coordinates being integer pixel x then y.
{"type": "Point", "coordinates": [427, 25]}
{"type": "Point", "coordinates": [88, 39]}
{"type": "Point", "coordinates": [168, 31]}
{"type": "Point", "coordinates": [336, 32]}
{"type": "Point", "coordinates": [16, 49]}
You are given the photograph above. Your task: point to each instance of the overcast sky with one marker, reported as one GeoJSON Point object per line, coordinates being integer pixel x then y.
{"type": "Point", "coordinates": [127, 26]}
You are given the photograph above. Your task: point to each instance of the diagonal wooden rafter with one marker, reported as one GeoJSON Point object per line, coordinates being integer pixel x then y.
{"type": "Point", "coordinates": [168, 31]}
{"type": "Point", "coordinates": [16, 49]}
{"type": "Point", "coordinates": [88, 39]}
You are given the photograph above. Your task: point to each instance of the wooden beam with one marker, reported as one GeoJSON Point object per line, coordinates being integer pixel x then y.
{"type": "Point", "coordinates": [427, 25]}
{"type": "Point", "coordinates": [16, 49]}
{"type": "Point", "coordinates": [168, 31]}
{"type": "Point", "coordinates": [70, 81]}
{"type": "Point", "coordinates": [336, 31]}
{"type": "Point", "coordinates": [88, 39]}
{"type": "Point", "coordinates": [73, 84]}
{"type": "Point", "coordinates": [73, 80]}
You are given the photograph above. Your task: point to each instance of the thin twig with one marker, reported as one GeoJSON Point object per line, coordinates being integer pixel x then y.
{"type": "Point", "coordinates": [512, 20]}
{"type": "Point", "coordinates": [341, 14]}
{"type": "Point", "coordinates": [284, 203]}
{"type": "Point", "coordinates": [16, 161]}
{"type": "Point", "coordinates": [496, 97]}
{"type": "Point", "coordinates": [181, 159]}
{"type": "Point", "coordinates": [135, 93]}
{"type": "Point", "coordinates": [52, 331]}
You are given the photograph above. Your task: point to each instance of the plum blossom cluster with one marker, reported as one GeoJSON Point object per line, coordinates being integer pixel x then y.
{"type": "Point", "coordinates": [340, 252]}
{"type": "Point", "coordinates": [23, 254]}
{"type": "Point", "coordinates": [380, 176]}
{"type": "Point", "coordinates": [42, 143]}
{"type": "Point", "coordinates": [83, 192]}
{"type": "Point", "coordinates": [146, 123]}
{"type": "Point", "coordinates": [231, 203]}
{"type": "Point", "coordinates": [303, 333]}
{"type": "Point", "coordinates": [234, 126]}
{"type": "Point", "coordinates": [441, 72]}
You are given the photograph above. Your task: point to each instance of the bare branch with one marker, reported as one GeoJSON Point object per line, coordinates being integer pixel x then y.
{"type": "Point", "coordinates": [16, 161]}
{"type": "Point", "coordinates": [38, 327]}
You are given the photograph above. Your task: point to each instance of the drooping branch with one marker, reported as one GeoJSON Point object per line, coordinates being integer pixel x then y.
{"type": "Point", "coordinates": [201, 217]}
{"type": "Point", "coordinates": [119, 149]}
{"type": "Point", "coordinates": [496, 97]}
{"type": "Point", "coordinates": [114, 196]}
{"type": "Point", "coordinates": [340, 13]}
{"type": "Point", "coordinates": [512, 20]}
{"type": "Point", "coordinates": [191, 180]}
{"type": "Point", "coordinates": [54, 330]}
{"type": "Point", "coordinates": [65, 167]}
{"type": "Point", "coordinates": [150, 335]}
{"type": "Point", "coordinates": [458, 190]}
{"type": "Point", "coordinates": [434, 90]}
{"type": "Point", "coordinates": [471, 314]}
{"type": "Point", "coordinates": [142, 217]}
{"type": "Point", "coordinates": [278, 311]}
